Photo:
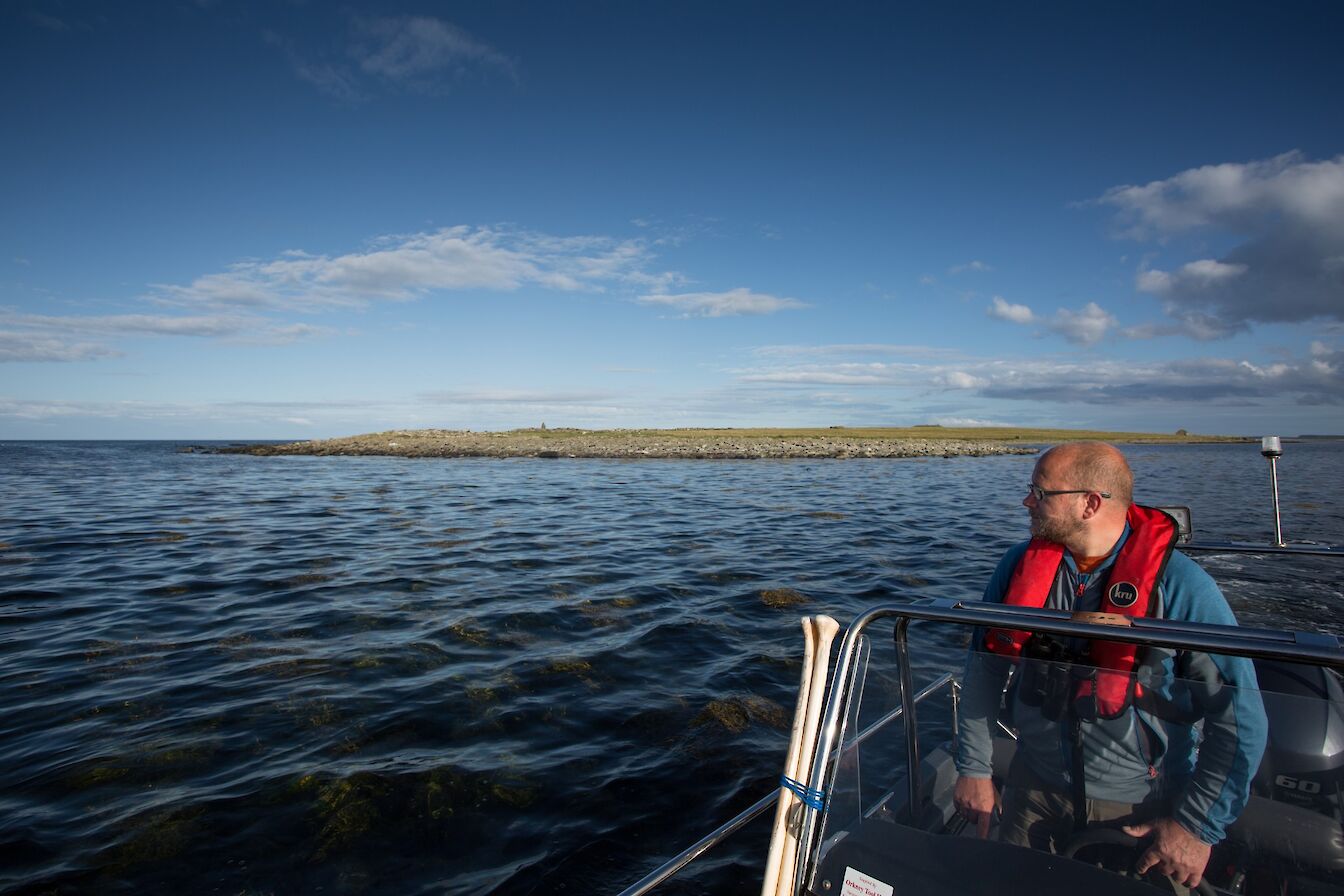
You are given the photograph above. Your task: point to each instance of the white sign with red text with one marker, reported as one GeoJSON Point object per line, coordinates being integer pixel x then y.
{"type": "Point", "coordinates": [859, 884]}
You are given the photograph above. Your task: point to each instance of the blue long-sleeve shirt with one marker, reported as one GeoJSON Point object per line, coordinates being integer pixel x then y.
{"type": "Point", "coordinates": [1129, 758]}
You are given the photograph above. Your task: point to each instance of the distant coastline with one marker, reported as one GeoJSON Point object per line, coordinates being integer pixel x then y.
{"type": "Point", "coordinates": [832, 442]}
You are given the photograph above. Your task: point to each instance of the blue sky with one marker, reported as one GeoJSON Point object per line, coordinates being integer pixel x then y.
{"type": "Point", "coordinates": [294, 220]}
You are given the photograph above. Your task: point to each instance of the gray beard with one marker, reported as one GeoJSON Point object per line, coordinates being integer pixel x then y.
{"type": "Point", "coordinates": [1058, 531]}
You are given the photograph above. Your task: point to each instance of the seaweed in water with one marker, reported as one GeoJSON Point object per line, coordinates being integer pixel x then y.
{"type": "Point", "coordinates": [580, 669]}
{"type": "Point", "coordinates": [161, 838]}
{"type": "Point", "coordinates": [166, 538]}
{"type": "Point", "coordinates": [349, 808]}
{"type": "Point", "coordinates": [782, 598]}
{"type": "Point", "coordinates": [469, 633]}
{"type": "Point", "coordinates": [368, 807]}
{"type": "Point", "coordinates": [730, 714]}
{"type": "Point", "coordinates": [736, 713]}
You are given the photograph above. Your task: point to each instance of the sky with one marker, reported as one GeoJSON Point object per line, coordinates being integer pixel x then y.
{"type": "Point", "coordinates": [276, 220]}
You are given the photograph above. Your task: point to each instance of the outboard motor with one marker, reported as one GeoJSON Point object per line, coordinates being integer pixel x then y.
{"type": "Point", "coordinates": [1304, 760]}
{"type": "Point", "coordinates": [1289, 840]}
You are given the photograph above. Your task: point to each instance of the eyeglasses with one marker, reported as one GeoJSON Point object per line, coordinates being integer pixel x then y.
{"type": "Point", "coordinates": [1041, 494]}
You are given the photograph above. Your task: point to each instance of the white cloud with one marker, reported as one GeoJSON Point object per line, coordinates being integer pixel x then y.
{"type": "Point", "coordinates": [30, 347]}
{"type": "Point", "coordinates": [1208, 272]}
{"type": "Point", "coordinates": [808, 394]}
{"type": "Point", "coordinates": [1193, 381]}
{"type": "Point", "coordinates": [722, 304]}
{"type": "Point", "coordinates": [1317, 378]}
{"type": "Point", "coordinates": [880, 374]}
{"type": "Point", "coordinates": [1083, 327]}
{"type": "Point", "coordinates": [1194, 276]}
{"type": "Point", "coordinates": [966, 421]}
{"type": "Point", "coordinates": [958, 379]}
{"type": "Point", "coordinates": [1286, 215]}
{"type": "Point", "coordinates": [406, 267]}
{"type": "Point", "coordinates": [1267, 371]}
{"type": "Point", "coordinates": [1235, 197]}
{"type": "Point", "coordinates": [838, 373]}
{"type": "Point", "coordinates": [333, 80]}
{"type": "Point", "coordinates": [205, 326]}
{"type": "Point", "coordinates": [416, 54]}
{"type": "Point", "coordinates": [422, 52]}
{"type": "Point", "coordinates": [241, 303]}
{"type": "Point", "coordinates": [977, 267]}
{"type": "Point", "coordinates": [513, 396]}
{"type": "Point", "coordinates": [1193, 325]}
{"type": "Point", "coordinates": [46, 337]}
{"type": "Point", "coordinates": [860, 348]}
{"type": "Point", "coordinates": [815, 377]}
{"type": "Point", "coordinates": [1005, 310]}
{"type": "Point", "coordinates": [528, 407]}
{"type": "Point", "coordinates": [355, 413]}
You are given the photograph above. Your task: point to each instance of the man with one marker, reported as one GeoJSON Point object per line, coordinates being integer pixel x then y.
{"type": "Point", "coordinates": [1133, 747]}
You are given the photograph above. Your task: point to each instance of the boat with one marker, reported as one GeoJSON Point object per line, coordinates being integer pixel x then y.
{"type": "Point", "coordinates": [865, 807]}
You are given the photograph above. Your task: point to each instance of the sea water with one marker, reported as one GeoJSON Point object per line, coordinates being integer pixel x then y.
{"type": "Point", "coordinates": [376, 675]}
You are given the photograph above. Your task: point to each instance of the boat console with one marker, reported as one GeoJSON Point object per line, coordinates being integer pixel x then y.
{"type": "Point", "coordinates": [882, 857]}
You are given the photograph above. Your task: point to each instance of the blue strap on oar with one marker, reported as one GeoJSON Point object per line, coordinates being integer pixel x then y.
{"type": "Point", "coordinates": [816, 799]}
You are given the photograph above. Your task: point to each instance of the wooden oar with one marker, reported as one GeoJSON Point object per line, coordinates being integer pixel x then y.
{"type": "Point", "coordinates": [824, 630]}
{"type": "Point", "coordinates": [770, 884]}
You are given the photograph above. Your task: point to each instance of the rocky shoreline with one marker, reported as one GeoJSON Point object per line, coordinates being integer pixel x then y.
{"type": "Point", "coordinates": [637, 444]}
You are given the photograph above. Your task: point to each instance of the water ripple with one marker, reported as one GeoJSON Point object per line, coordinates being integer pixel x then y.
{"type": "Point", "coordinates": [369, 675]}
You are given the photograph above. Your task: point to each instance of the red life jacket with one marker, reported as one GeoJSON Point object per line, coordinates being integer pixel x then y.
{"type": "Point", "coordinates": [1131, 585]}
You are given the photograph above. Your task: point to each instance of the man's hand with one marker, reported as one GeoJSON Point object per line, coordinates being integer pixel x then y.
{"type": "Point", "coordinates": [974, 799]}
{"type": "Point", "coordinates": [1175, 852]}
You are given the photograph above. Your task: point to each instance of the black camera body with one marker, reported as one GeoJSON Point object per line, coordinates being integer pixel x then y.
{"type": "Point", "coordinates": [1047, 676]}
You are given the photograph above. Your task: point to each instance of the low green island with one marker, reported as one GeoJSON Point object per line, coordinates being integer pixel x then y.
{"type": "Point", "coordinates": [828, 442]}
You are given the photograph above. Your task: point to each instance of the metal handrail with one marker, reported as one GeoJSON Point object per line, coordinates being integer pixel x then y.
{"type": "Point", "coordinates": [691, 853]}
{"type": "Point", "coordinates": [1309, 647]}
{"type": "Point", "coordinates": [684, 858]}
{"type": "Point", "coordinates": [1241, 547]}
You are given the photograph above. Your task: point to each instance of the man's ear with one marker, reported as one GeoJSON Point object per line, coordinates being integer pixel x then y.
{"type": "Point", "coordinates": [1093, 505]}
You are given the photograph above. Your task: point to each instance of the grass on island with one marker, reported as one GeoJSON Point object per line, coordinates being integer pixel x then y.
{"type": "Point", "coordinates": [960, 433]}
{"type": "Point", "coordinates": [560, 437]}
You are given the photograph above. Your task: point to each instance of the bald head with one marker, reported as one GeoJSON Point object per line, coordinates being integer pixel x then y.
{"type": "Point", "coordinates": [1096, 466]}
